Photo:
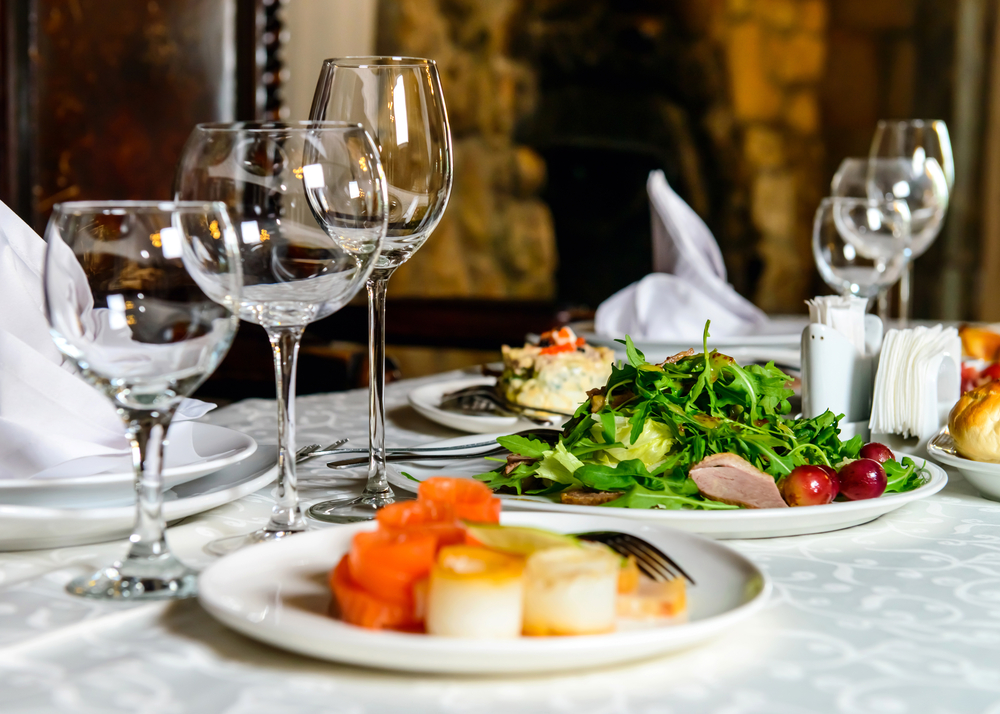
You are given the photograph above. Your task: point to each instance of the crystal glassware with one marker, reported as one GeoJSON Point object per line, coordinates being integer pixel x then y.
{"type": "Point", "coordinates": [142, 297]}
{"type": "Point", "coordinates": [917, 141]}
{"type": "Point", "coordinates": [860, 245]}
{"type": "Point", "coordinates": [921, 184]}
{"type": "Point", "coordinates": [399, 100]}
{"type": "Point", "coordinates": [309, 202]}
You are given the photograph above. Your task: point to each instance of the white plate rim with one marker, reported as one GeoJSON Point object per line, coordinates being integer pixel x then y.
{"type": "Point", "coordinates": [426, 398]}
{"type": "Point", "coordinates": [959, 462]}
{"type": "Point", "coordinates": [174, 473]}
{"type": "Point", "coordinates": [689, 632]}
{"type": "Point", "coordinates": [853, 512]}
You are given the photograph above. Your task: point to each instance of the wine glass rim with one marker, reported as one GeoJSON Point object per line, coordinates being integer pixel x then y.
{"type": "Point", "coordinates": [134, 206]}
{"type": "Point", "coordinates": [376, 61]}
{"type": "Point", "coordinates": [912, 122]}
{"type": "Point", "coordinates": [305, 126]}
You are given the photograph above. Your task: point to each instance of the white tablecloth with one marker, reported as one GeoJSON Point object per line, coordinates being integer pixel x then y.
{"type": "Point", "coordinates": [898, 616]}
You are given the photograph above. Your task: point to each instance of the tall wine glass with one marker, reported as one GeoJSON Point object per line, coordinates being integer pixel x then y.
{"type": "Point", "coordinates": [917, 141]}
{"type": "Point", "coordinates": [922, 185]}
{"type": "Point", "coordinates": [142, 297]}
{"type": "Point", "coordinates": [399, 100]}
{"type": "Point", "coordinates": [309, 200]}
{"type": "Point", "coordinates": [860, 246]}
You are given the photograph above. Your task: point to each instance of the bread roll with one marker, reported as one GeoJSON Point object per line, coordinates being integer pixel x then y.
{"type": "Point", "coordinates": [974, 423]}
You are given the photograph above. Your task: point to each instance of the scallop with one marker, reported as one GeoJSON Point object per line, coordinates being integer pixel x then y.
{"type": "Point", "coordinates": [475, 593]}
{"type": "Point", "coordinates": [571, 591]}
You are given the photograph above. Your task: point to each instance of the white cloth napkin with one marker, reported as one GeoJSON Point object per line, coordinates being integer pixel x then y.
{"type": "Point", "coordinates": [48, 415]}
{"type": "Point", "coordinates": [844, 313]}
{"type": "Point", "coordinates": [688, 287]}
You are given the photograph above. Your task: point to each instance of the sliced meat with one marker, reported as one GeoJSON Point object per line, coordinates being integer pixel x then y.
{"type": "Point", "coordinates": [515, 460]}
{"type": "Point", "coordinates": [678, 357]}
{"type": "Point", "coordinates": [732, 479]}
{"type": "Point", "coordinates": [588, 498]}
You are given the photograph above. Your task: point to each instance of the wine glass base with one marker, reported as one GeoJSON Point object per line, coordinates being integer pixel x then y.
{"type": "Point", "coordinates": [352, 511]}
{"type": "Point", "coordinates": [115, 583]}
{"type": "Point", "coordinates": [230, 544]}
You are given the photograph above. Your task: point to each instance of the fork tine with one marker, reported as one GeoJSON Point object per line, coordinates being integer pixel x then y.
{"type": "Point", "coordinates": [650, 559]}
{"type": "Point", "coordinates": [652, 568]}
{"type": "Point", "coordinates": [653, 555]}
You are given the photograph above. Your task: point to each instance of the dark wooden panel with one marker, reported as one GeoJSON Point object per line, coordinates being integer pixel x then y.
{"type": "Point", "coordinates": [119, 85]}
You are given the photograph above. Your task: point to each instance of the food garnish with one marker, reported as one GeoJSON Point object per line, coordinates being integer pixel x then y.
{"type": "Point", "coordinates": [555, 374]}
{"type": "Point", "coordinates": [642, 440]}
{"type": "Point", "coordinates": [428, 568]}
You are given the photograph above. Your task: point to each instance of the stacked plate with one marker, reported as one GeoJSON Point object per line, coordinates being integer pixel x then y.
{"type": "Point", "coordinates": [89, 501]}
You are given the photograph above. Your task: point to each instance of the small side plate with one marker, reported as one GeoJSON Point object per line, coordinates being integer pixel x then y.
{"type": "Point", "coordinates": [427, 399]}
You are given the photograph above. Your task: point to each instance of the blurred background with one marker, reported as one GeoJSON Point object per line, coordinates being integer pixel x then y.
{"type": "Point", "coordinates": [559, 110]}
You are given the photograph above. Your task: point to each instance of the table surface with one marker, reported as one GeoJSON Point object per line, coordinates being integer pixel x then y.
{"type": "Point", "coordinates": [896, 616]}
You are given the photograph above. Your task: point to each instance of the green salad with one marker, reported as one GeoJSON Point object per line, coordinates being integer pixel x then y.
{"type": "Point", "coordinates": [640, 434]}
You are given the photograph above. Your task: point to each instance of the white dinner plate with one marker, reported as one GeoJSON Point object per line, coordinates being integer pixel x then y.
{"type": "Point", "coordinates": [742, 523]}
{"type": "Point", "coordinates": [30, 527]}
{"type": "Point", "coordinates": [194, 449]}
{"type": "Point", "coordinates": [427, 399]}
{"type": "Point", "coordinates": [277, 593]}
{"type": "Point", "coordinates": [984, 476]}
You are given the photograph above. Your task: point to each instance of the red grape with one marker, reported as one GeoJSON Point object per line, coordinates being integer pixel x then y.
{"type": "Point", "coordinates": [876, 452]}
{"type": "Point", "coordinates": [808, 486]}
{"type": "Point", "coordinates": [834, 478]}
{"type": "Point", "coordinates": [861, 479]}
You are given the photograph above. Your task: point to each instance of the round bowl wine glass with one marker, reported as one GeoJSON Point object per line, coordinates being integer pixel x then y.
{"type": "Point", "coordinates": [399, 100]}
{"type": "Point", "coordinates": [142, 297]}
{"type": "Point", "coordinates": [860, 246]}
{"type": "Point", "coordinates": [922, 185]}
{"type": "Point", "coordinates": [309, 202]}
{"type": "Point", "coordinates": [916, 141]}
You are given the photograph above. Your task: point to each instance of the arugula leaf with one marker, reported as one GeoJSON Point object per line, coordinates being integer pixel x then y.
{"type": "Point", "coordinates": [604, 478]}
{"type": "Point", "coordinates": [635, 357]}
{"type": "Point", "coordinates": [522, 445]}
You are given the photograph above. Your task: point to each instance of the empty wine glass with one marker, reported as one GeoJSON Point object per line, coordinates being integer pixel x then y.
{"type": "Point", "coordinates": [309, 200]}
{"type": "Point", "coordinates": [922, 186]}
{"type": "Point", "coordinates": [399, 100]}
{"type": "Point", "coordinates": [917, 141]}
{"type": "Point", "coordinates": [860, 246]}
{"type": "Point", "coordinates": [142, 297]}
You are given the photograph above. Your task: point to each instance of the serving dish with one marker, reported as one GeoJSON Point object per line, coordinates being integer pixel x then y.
{"type": "Point", "coordinates": [277, 593]}
{"type": "Point", "coordinates": [743, 523]}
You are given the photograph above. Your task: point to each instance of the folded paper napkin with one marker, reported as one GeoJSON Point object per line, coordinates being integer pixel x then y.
{"type": "Point", "coordinates": [49, 416]}
{"type": "Point", "coordinates": [845, 314]}
{"type": "Point", "coordinates": [918, 377]}
{"type": "Point", "coordinates": [688, 287]}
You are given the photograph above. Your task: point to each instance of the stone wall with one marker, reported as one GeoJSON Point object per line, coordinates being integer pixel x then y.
{"type": "Point", "coordinates": [776, 52]}
{"type": "Point", "coordinates": [496, 239]}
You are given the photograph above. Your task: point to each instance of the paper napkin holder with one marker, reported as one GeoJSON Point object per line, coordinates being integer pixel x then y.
{"type": "Point", "coordinates": [836, 376]}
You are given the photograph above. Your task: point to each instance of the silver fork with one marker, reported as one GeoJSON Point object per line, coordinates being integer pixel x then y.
{"type": "Point", "coordinates": [311, 450]}
{"type": "Point", "coordinates": [652, 561]}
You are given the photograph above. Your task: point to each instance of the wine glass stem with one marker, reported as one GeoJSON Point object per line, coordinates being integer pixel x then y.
{"type": "Point", "coordinates": [286, 516]}
{"type": "Point", "coordinates": [377, 489]}
{"type": "Point", "coordinates": [145, 432]}
{"type": "Point", "coordinates": [905, 294]}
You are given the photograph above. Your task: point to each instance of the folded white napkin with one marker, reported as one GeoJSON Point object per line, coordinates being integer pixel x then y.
{"type": "Point", "coordinates": [48, 414]}
{"type": "Point", "coordinates": [844, 313]}
{"type": "Point", "coordinates": [918, 371]}
{"type": "Point", "coordinates": [688, 287]}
